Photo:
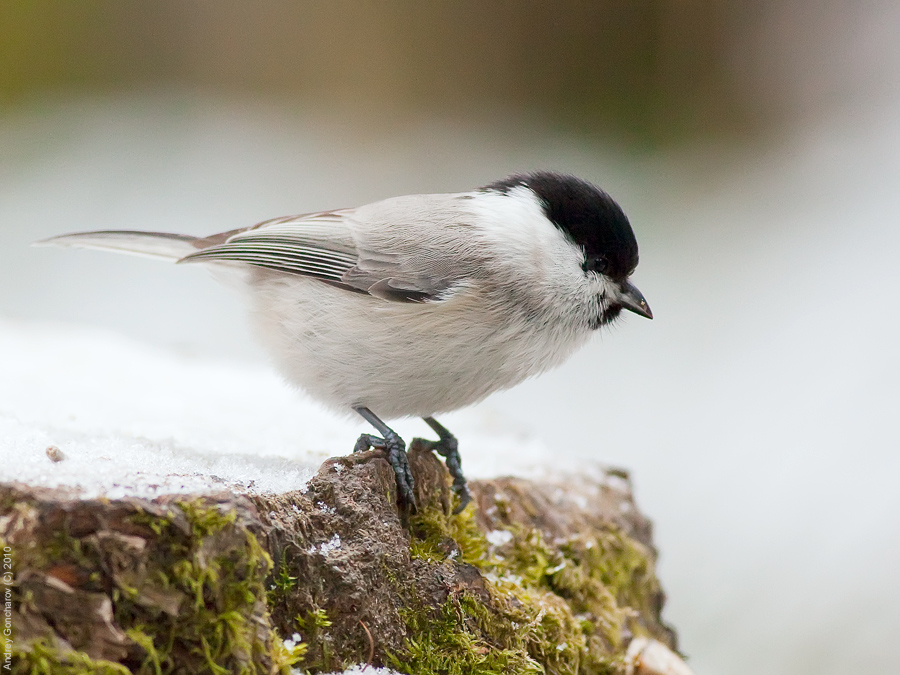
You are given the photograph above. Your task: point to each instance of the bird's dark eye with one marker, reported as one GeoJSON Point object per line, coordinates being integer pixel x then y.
{"type": "Point", "coordinates": [595, 263]}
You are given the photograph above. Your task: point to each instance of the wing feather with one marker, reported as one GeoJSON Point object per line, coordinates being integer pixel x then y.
{"type": "Point", "coordinates": [399, 249]}
{"type": "Point", "coordinates": [315, 245]}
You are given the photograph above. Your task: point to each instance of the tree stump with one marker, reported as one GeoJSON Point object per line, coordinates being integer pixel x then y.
{"type": "Point", "coordinates": [532, 577]}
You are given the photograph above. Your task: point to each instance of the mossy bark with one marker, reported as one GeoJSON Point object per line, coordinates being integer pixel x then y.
{"type": "Point", "coordinates": [531, 578]}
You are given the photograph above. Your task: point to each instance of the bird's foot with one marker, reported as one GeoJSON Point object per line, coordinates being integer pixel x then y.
{"type": "Point", "coordinates": [448, 448]}
{"type": "Point", "coordinates": [395, 449]}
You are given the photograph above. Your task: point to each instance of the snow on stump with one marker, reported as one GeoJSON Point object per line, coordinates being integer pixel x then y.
{"type": "Point", "coordinates": [530, 578]}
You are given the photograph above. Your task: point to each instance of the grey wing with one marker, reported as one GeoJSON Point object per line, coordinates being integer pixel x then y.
{"type": "Point", "coordinates": [414, 248]}
{"type": "Point", "coordinates": [313, 245]}
{"type": "Point", "coordinates": [323, 246]}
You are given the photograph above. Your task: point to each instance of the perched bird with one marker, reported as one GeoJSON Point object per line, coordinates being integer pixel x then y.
{"type": "Point", "coordinates": [422, 304]}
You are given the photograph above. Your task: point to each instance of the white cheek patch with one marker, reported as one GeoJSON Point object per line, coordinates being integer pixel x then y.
{"type": "Point", "coordinates": [515, 222]}
{"type": "Point", "coordinates": [540, 261]}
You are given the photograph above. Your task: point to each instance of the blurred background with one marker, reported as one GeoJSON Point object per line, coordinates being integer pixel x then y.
{"type": "Point", "coordinates": [755, 147]}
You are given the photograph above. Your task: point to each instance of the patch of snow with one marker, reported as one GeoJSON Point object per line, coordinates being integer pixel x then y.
{"type": "Point", "coordinates": [331, 545]}
{"type": "Point", "coordinates": [556, 568]}
{"type": "Point", "coordinates": [580, 500]}
{"type": "Point", "coordinates": [293, 641]}
{"type": "Point", "coordinates": [131, 419]}
{"type": "Point", "coordinates": [324, 508]}
{"type": "Point", "coordinates": [618, 483]}
{"type": "Point", "coordinates": [499, 537]}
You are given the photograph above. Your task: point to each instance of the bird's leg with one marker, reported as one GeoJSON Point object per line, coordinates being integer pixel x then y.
{"type": "Point", "coordinates": [396, 454]}
{"type": "Point", "coordinates": [448, 448]}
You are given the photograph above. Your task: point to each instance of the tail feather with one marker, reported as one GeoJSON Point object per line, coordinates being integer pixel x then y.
{"type": "Point", "coordinates": [148, 244]}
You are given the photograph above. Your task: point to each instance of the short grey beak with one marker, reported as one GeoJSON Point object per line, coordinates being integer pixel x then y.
{"type": "Point", "coordinates": [633, 300]}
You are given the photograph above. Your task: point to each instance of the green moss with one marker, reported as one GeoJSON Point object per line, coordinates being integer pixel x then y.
{"type": "Point", "coordinates": [558, 608]}
{"type": "Point", "coordinates": [199, 605]}
{"type": "Point", "coordinates": [59, 549]}
{"type": "Point", "coordinates": [43, 659]}
{"type": "Point", "coordinates": [220, 568]}
{"type": "Point", "coordinates": [611, 578]}
{"type": "Point", "coordinates": [315, 621]}
{"type": "Point", "coordinates": [280, 584]}
{"type": "Point", "coordinates": [456, 640]}
{"type": "Point", "coordinates": [155, 522]}
{"type": "Point", "coordinates": [436, 536]}
{"type": "Point", "coordinates": [313, 629]}
{"type": "Point", "coordinates": [153, 660]}
{"type": "Point", "coordinates": [207, 520]}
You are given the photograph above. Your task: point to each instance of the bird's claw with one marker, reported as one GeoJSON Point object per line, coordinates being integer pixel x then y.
{"type": "Point", "coordinates": [395, 449]}
{"type": "Point", "coordinates": [448, 448]}
{"type": "Point", "coordinates": [367, 442]}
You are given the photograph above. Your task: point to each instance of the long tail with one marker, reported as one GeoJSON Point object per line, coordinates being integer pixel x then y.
{"type": "Point", "coordinates": [148, 244]}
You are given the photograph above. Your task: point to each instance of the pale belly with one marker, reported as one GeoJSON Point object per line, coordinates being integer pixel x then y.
{"type": "Point", "coordinates": [400, 359]}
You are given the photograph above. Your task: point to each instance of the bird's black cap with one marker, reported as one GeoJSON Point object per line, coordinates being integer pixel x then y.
{"type": "Point", "coordinates": [584, 213]}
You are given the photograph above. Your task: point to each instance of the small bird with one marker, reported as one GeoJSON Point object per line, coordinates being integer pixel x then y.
{"type": "Point", "coordinates": [422, 304]}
